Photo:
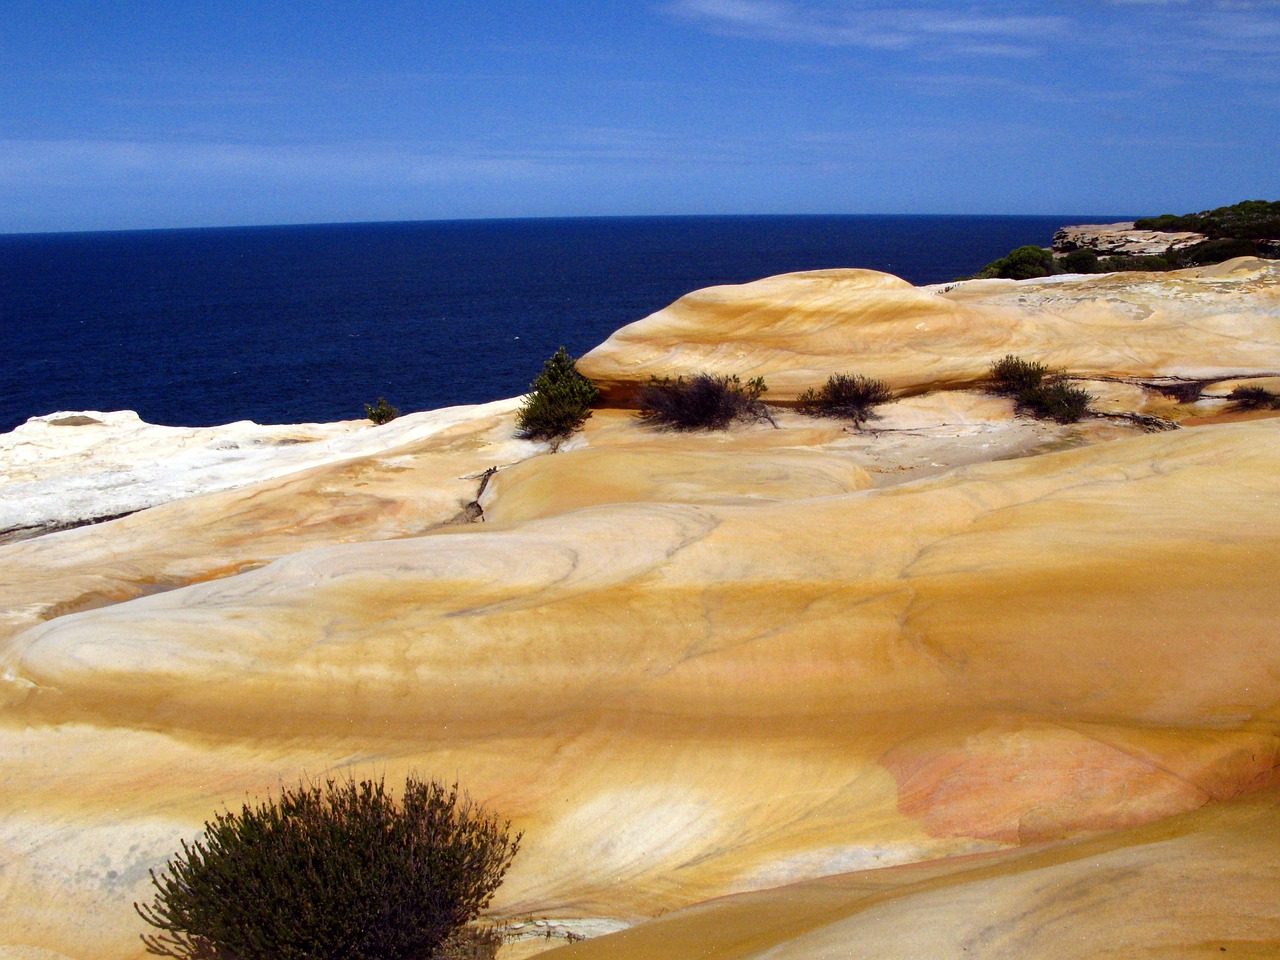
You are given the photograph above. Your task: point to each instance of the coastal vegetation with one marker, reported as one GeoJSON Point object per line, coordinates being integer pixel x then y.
{"type": "Point", "coordinates": [559, 401]}
{"type": "Point", "coordinates": [703, 402]}
{"type": "Point", "coordinates": [1247, 229]}
{"type": "Point", "coordinates": [1037, 391]}
{"type": "Point", "coordinates": [339, 871]}
{"type": "Point", "coordinates": [1024, 263]}
{"type": "Point", "coordinates": [845, 396]}
{"type": "Point", "coordinates": [1247, 220]}
{"type": "Point", "coordinates": [381, 412]}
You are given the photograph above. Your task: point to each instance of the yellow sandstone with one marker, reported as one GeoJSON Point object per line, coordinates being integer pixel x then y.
{"type": "Point", "coordinates": [1025, 671]}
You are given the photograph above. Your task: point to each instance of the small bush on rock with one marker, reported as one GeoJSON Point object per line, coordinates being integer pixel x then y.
{"type": "Point", "coordinates": [1254, 398]}
{"type": "Point", "coordinates": [341, 871]}
{"type": "Point", "coordinates": [703, 402]}
{"type": "Point", "coordinates": [381, 412]}
{"type": "Point", "coordinates": [1036, 392]}
{"type": "Point", "coordinates": [845, 397]}
{"type": "Point", "coordinates": [559, 401]}
{"type": "Point", "coordinates": [1011, 375]}
{"type": "Point", "coordinates": [1056, 400]}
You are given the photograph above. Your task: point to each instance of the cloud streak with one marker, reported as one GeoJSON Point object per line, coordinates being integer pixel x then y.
{"type": "Point", "coordinates": [927, 28]}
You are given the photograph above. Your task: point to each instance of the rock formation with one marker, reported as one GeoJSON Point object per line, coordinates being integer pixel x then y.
{"type": "Point", "coordinates": [1122, 240]}
{"type": "Point", "coordinates": [1026, 671]}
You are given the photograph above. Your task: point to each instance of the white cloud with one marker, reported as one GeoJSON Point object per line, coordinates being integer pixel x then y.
{"type": "Point", "coordinates": [929, 28]}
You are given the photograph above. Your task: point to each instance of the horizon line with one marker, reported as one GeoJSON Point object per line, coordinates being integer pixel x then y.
{"type": "Point", "coordinates": [607, 216]}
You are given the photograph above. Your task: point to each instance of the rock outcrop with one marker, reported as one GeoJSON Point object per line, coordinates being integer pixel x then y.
{"type": "Point", "coordinates": [797, 329]}
{"type": "Point", "coordinates": [1122, 240]}
{"type": "Point", "coordinates": [1029, 668]}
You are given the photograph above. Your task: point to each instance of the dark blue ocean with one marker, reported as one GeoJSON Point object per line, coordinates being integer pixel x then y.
{"type": "Point", "coordinates": [307, 323]}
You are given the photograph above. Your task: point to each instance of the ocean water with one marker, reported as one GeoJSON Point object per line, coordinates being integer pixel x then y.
{"type": "Point", "coordinates": [308, 323]}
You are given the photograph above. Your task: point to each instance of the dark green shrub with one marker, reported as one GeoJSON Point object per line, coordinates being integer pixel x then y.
{"type": "Point", "coordinates": [1249, 219]}
{"type": "Point", "coordinates": [1054, 400]}
{"type": "Point", "coordinates": [1254, 398]}
{"type": "Point", "coordinates": [381, 412]}
{"type": "Point", "coordinates": [559, 401]}
{"type": "Point", "coordinates": [845, 397]}
{"type": "Point", "coordinates": [1217, 251]}
{"type": "Point", "coordinates": [1024, 263]}
{"type": "Point", "coordinates": [1148, 264]}
{"type": "Point", "coordinates": [1037, 392]}
{"type": "Point", "coordinates": [341, 871]}
{"type": "Point", "coordinates": [470, 943]}
{"type": "Point", "coordinates": [703, 402]}
{"type": "Point", "coordinates": [1084, 260]}
{"type": "Point", "coordinates": [1012, 375]}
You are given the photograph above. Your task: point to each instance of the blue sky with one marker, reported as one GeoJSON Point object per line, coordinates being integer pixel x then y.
{"type": "Point", "coordinates": [127, 114]}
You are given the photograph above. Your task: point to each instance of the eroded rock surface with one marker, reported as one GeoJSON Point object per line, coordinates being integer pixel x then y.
{"type": "Point", "coordinates": [796, 330]}
{"type": "Point", "coordinates": [1121, 239]}
{"type": "Point", "coordinates": [1030, 667]}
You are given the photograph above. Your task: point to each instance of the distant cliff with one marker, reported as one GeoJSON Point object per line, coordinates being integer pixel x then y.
{"type": "Point", "coordinates": [1122, 240]}
{"type": "Point", "coordinates": [1167, 242]}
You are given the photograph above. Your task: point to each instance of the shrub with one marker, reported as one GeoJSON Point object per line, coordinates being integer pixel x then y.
{"type": "Point", "coordinates": [1011, 375]}
{"type": "Point", "coordinates": [1249, 219]}
{"type": "Point", "coordinates": [1254, 398]}
{"type": "Point", "coordinates": [1138, 264]}
{"type": "Point", "coordinates": [381, 412]}
{"type": "Point", "coordinates": [559, 401]}
{"type": "Point", "coordinates": [845, 397]}
{"type": "Point", "coordinates": [1220, 250]}
{"type": "Point", "coordinates": [704, 402]}
{"type": "Point", "coordinates": [470, 943]}
{"type": "Point", "coordinates": [1024, 263]}
{"type": "Point", "coordinates": [334, 872]}
{"type": "Point", "coordinates": [1036, 392]}
{"type": "Point", "coordinates": [1084, 260]}
{"type": "Point", "coordinates": [1054, 400]}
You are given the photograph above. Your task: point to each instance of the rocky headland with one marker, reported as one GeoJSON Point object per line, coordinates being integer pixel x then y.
{"type": "Point", "coordinates": [961, 683]}
{"type": "Point", "coordinates": [1151, 244]}
{"type": "Point", "coordinates": [1123, 240]}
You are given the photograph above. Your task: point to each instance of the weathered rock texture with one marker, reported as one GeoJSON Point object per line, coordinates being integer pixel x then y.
{"type": "Point", "coordinates": [1034, 666]}
{"type": "Point", "coordinates": [1121, 239]}
{"type": "Point", "coordinates": [797, 329]}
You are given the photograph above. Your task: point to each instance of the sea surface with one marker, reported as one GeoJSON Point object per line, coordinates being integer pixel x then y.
{"type": "Point", "coordinates": [308, 323]}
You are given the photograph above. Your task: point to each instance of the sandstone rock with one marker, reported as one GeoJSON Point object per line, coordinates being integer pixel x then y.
{"type": "Point", "coordinates": [1122, 240]}
{"type": "Point", "coordinates": [66, 468]}
{"type": "Point", "coordinates": [797, 329]}
{"type": "Point", "coordinates": [1169, 890]}
{"type": "Point", "coordinates": [1027, 667]}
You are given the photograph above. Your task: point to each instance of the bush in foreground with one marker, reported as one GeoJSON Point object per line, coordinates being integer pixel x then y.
{"type": "Point", "coordinates": [1011, 375]}
{"type": "Point", "coordinates": [1037, 392]}
{"type": "Point", "coordinates": [845, 397]}
{"type": "Point", "coordinates": [342, 871]}
{"type": "Point", "coordinates": [1056, 400]}
{"type": "Point", "coordinates": [381, 412]}
{"type": "Point", "coordinates": [703, 402]}
{"type": "Point", "coordinates": [559, 401]}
